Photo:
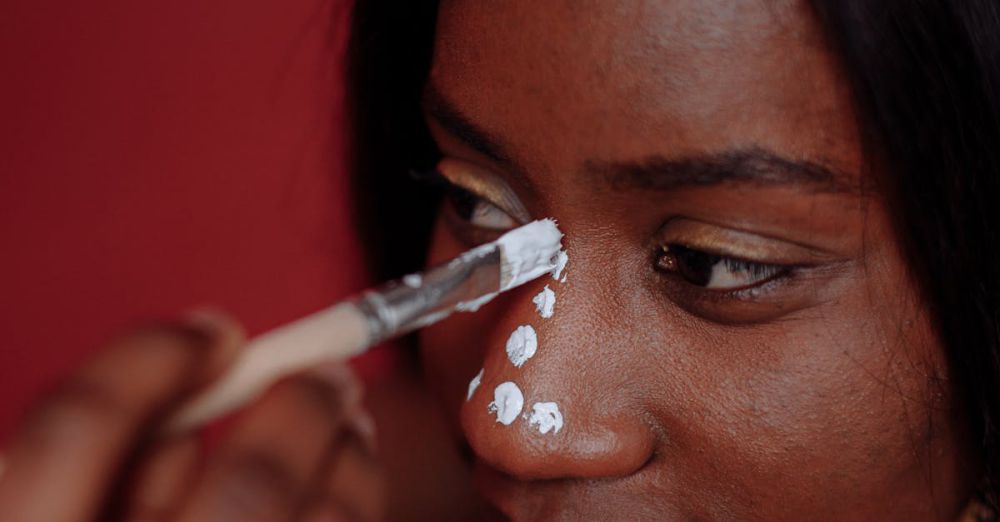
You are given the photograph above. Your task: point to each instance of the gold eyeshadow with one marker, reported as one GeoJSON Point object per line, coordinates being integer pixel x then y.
{"type": "Point", "coordinates": [734, 243]}
{"type": "Point", "coordinates": [485, 184]}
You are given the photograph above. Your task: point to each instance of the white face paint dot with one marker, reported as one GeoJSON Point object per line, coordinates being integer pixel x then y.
{"type": "Point", "coordinates": [507, 403]}
{"type": "Point", "coordinates": [545, 302]}
{"type": "Point", "coordinates": [474, 383]}
{"type": "Point", "coordinates": [521, 345]}
{"type": "Point", "coordinates": [546, 416]}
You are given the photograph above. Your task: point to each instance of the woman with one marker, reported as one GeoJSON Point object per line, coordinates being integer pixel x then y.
{"type": "Point", "coordinates": [782, 294]}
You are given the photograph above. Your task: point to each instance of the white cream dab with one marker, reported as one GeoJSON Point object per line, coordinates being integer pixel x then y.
{"type": "Point", "coordinates": [561, 259]}
{"type": "Point", "coordinates": [413, 280]}
{"type": "Point", "coordinates": [546, 416]}
{"type": "Point", "coordinates": [507, 403]}
{"type": "Point", "coordinates": [530, 251]}
{"type": "Point", "coordinates": [474, 383]}
{"type": "Point", "coordinates": [544, 302]}
{"type": "Point", "coordinates": [526, 253]}
{"type": "Point", "coordinates": [522, 345]}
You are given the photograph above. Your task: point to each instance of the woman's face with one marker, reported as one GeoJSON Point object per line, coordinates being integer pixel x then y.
{"type": "Point", "coordinates": [737, 337]}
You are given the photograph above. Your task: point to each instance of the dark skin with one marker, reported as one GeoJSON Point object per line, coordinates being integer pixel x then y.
{"type": "Point", "coordinates": [820, 391]}
{"type": "Point", "coordinates": [738, 337]}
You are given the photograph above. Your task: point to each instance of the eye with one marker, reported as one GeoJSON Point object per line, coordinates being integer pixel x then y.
{"type": "Point", "coordinates": [477, 211]}
{"type": "Point", "coordinates": [716, 272]}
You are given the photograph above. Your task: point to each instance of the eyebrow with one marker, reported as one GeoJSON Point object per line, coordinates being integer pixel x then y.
{"type": "Point", "coordinates": [753, 165]}
{"type": "Point", "coordinates": [456, 123]}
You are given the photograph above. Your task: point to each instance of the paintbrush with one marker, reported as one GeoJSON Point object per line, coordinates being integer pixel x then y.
{"type": "Point", "coordinates": [390, 310]}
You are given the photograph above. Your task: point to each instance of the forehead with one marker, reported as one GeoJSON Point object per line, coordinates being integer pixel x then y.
{"type": "Point", "coordinates": [564, 81]}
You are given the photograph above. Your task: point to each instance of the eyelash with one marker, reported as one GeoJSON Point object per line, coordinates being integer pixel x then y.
{"type": "Point", "coordinates": [677, 260]}
{"type": "Point", "coordinates": [472, 208]}
{"type": "Point", "coordinates": [458, 202]}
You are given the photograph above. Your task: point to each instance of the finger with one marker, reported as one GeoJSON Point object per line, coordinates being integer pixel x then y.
{"type": "Point", "coordinates": [164, 479]}
{"type": "Point", "coordinates": [228, 337]}
{"type": "Point", "coordinates": [354, 487]}
{"type": "Point", "coordinates": [165, 476]}
{"type": "Point", "coordinates": [268, 462]}
{"type": "Point", "coordinates": [67, 452]}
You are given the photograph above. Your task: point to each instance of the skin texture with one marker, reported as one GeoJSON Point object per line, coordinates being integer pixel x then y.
{"type": "Point", "coordinates": [822, 395]}
{"type": "Point", "coordinates": [819, 392]}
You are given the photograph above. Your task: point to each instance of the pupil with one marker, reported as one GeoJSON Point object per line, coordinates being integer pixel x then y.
{"type": "Point", "coordinates": [693, 265]}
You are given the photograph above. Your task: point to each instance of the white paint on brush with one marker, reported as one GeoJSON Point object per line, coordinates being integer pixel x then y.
{"type": "Point", "coordinates": [413, 280]}
{"type": "Point", "coordinates": [526, 253]}
{"type": "Point", "coordinates": [561, 259]}
{"type": "Point", "coordinates": [522, 345]}
{"type": "Point", "coordinates": [545, 301]}
{"type": "Point", "coordinates": [474, 304]}
{"type": "Point", "coordinates": [508, 401]}
{"type": "Point", "coordinates": [474, 384]}
{"type": "Point", "coordinates": [546, 416]}
{"type": "Point", "coordinates": [529, 252]}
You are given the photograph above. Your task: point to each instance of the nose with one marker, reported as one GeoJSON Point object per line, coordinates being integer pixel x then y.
{"type": "Point", "coordinates": [567, 410]}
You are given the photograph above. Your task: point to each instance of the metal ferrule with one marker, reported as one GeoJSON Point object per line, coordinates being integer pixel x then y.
{"type": "Point", "coordinates": [401, 306]}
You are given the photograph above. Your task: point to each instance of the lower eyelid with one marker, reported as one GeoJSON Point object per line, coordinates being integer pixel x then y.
{"type": "Point", "coordinates": [767, 285]}
{"type": "Point", "coordinates": [755, 305]}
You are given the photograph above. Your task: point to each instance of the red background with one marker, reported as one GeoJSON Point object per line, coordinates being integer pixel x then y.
{"type": "Point", "coordinates": [158, 156]}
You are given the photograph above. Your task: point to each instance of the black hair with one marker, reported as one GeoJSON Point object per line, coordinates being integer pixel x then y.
{"type": "Point", "coordinates": [926, 78]}
{"type": "Point", "coordinates": [389, 56]}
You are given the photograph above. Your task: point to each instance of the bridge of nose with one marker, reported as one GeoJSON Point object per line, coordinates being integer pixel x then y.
{"type": "Point", "coordinates": [576, 374]}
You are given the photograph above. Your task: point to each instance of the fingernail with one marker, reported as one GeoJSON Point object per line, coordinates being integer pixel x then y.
{"type": "Point", "coordinates": [211, 322]}
{"type": "Point", "coordinates": [224, 333]}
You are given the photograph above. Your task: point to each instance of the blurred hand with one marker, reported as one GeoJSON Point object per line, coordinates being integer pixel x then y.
{"type": "Point", "coordinates": [92, 448]}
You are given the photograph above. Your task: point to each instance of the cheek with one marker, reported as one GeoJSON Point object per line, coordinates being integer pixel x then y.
{"type": "Point", "coordinates": [830, 403]}
{"type": "Point", "coordinates": [844, 401]}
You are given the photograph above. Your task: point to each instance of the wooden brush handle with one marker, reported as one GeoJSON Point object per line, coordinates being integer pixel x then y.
{"type": "Point", "coordinates": [337, 333]}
